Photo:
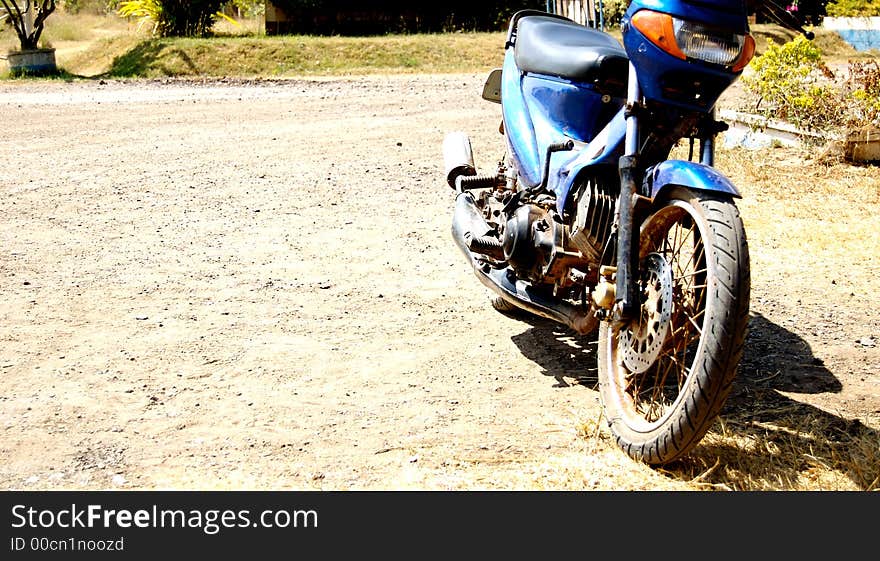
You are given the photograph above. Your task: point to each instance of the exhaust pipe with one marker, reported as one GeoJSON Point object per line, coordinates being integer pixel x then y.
{"type": "Point", "coordinates": [468, 223]}
{"type": "Point", "coordinates": [468, 227]}
{"type": "Point", "coordinates": [458, 157]}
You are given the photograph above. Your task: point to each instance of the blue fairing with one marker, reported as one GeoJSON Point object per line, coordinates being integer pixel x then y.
{"type": "Point", "coordinates": [604, 150]}
{"type": "Point", "coordinates": [687, 174]}
{"type": "Point", "coordinates": [518, 129]}
{"type": "Point", "coordinates": [728, 14]}
{"type": "Point", "coordinates": [540, 110]}
{"type": "Point", "coordinates": [689, 84]}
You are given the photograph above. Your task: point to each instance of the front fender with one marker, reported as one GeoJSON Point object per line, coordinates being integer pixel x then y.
{"type": "Point", "coordinates": [687, 174]}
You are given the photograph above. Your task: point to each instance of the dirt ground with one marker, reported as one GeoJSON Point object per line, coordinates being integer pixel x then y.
{"type": "Point", "coordinates": [252, 285]}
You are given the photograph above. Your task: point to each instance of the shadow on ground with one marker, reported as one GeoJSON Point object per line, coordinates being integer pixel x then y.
{"type": "Point", "coordinates": [778, 440]}
{"type": "Point", "coordinates": [766, 440]}
{"type": "Point", "coordinates": [563, 354]}
{"type": "Point", "coordinates": [146, 56]}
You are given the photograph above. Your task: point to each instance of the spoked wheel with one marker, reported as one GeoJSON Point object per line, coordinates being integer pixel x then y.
{"type": "Point", "coordinates": [665, 375]}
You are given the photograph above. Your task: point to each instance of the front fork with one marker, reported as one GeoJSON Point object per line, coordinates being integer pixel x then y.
{"type": "Point", "coordinates": [627, 302]}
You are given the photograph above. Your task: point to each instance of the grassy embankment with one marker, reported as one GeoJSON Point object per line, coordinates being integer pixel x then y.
{"type": "Point", "coordinates": [108, 46]}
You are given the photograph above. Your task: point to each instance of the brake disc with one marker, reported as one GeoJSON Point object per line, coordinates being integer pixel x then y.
{"type": "Point", "coordinates": [640, 343]}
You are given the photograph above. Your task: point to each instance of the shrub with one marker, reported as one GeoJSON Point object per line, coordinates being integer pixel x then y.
{"type": "Point", "coordinates": [613, 11]}
{"type": "Point", "coordinates": [250, 8]}
{"type": "Point", "coordinates": [864, 88]}
{"type": "Point", "coordinates": [89, 6]}
{"type": "Point", "coordinates": [853, 8]}
{"type": "Point", "coordinates": [790, 82]}
{"type": "Point", "coordinates": [174, 18]}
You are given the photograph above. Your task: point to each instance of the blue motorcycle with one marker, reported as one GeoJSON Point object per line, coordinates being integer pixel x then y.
{"type": "Point", "coordinates": [587, 220]}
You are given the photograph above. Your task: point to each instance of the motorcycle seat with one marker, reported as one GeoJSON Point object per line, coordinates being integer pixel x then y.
{"type": "Point", "coordinates": [565, 49]}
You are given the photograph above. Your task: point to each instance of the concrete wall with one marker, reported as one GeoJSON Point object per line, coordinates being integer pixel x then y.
{"type": "Point", "coordinates": [862, 33]}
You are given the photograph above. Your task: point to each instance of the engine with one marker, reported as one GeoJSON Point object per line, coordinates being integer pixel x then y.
{"type": "Point", "coordinates": [594, 201]}
{"type": "Point", "coordinates": [534, 242]}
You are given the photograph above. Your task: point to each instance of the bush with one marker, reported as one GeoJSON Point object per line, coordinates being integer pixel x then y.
{"type": "Point", "coordinates": [853, 8]}
{"type": "Point", "coordinates": [174, 18]}
{"type": "Point", "coordinates": [788, 83]}
{"type": "Point", "coordinates": [249, 8]}
{"type": "Point", "coordinates": [613, 11]}
{"type": "Point", "coordinates": [791, 83]}
{"type": "Point", "coordinates": [864, 87]}
{"type": "Point", "coordinates": [89, 6]}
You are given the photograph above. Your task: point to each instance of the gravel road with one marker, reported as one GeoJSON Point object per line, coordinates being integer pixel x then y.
{"type": "Point", "coordinates": [252, 285]}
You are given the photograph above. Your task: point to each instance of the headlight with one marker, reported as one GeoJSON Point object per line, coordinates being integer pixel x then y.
{"type": "Point", "coordinates": [709, 45]}
{"type": "Point", "coordinates": [687, 39]}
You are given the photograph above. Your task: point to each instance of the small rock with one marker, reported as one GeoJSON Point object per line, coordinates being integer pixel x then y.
{"type": "Point", "coordinates": [141, 318]}
{"type": "Point", "coordinates": [119, 480]}
{"type": "Point", "coordinates": [867, 342]}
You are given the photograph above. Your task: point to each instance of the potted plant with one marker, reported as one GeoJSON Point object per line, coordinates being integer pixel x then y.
{"type": "Point", "coordinates": [28, 18]}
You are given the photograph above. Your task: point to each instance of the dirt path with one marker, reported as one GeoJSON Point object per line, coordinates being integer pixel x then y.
{"type": "Point", "coordinates": [253, 286]}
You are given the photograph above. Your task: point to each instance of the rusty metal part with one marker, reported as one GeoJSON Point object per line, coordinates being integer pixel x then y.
{"type": "Point", "coordinates": [604, 294]}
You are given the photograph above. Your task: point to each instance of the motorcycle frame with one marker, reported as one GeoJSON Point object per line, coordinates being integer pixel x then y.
{"type": "Point", "coordinates": [540, 110]}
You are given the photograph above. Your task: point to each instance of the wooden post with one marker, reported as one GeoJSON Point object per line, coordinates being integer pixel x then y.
{"type": "Point", "coordinates": [585, 12]}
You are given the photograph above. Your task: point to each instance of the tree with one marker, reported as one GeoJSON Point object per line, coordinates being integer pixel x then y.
{"type": "Point", "coordinates": [28, 20]}
{"type": "Point", "coordinates": [174, 18]}
{"type": "Point", "coordinates": [249, 8]}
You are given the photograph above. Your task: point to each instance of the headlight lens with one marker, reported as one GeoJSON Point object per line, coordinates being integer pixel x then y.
{"type": "Point", "coordinates": [706, 44]}
{"type": "Point", "coordinates": [687, 39]}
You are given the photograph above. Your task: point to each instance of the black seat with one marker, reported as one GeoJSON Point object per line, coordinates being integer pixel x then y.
{"type": "Point", "coordinates": [558, 47]}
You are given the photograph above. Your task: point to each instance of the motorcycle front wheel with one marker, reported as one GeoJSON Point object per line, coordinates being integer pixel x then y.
{"type": "Point", "coordinates": [664, 376]}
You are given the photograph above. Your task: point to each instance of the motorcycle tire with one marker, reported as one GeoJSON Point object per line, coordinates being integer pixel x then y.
{"type": "Point", "coordinates": [503, 306]}
{"type": "Point", "coordinates": [665, 376]}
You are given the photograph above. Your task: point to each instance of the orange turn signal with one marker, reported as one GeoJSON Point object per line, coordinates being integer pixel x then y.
{"type": "Point", "coordinates": [659, 29]}
{"type": "Point", "coordinates": [747, 53]}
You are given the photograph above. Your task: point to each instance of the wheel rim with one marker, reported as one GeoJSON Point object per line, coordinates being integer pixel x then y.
{"type": "Point", "coordinates": [652, 358]}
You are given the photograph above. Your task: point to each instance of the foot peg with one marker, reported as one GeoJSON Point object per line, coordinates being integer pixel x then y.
{"type": "Point", "coordinates": [484, 245]}
{"type": "Point", "coordinates": [470, 182]}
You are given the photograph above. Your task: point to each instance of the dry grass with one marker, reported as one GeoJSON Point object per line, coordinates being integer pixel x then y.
{"type": "Point", "coordinates": [793, 452]}
{"type": "Point", "coordinates": [67, 30]}
{"type": "Point", "coordinates": [807, 219]}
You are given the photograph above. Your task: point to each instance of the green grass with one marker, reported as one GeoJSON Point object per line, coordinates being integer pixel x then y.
{"type": "Point", "coordinates": [106, 45]}
{"type": "Point", "coordinates": [306, 55]}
